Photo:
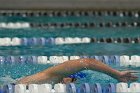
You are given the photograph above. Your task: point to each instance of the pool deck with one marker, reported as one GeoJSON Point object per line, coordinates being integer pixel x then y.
{"type": "Point", "coordinates": [69, 4]}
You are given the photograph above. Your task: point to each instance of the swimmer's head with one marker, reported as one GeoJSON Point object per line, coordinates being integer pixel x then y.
{"type": "Point", "coordinates": [74, 77]}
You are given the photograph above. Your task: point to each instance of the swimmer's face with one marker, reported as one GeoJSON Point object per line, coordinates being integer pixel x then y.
{"type": "Point", "coordinates": [68, 80]}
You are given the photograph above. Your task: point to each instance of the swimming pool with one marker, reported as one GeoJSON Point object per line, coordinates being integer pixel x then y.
{"type": "Point", "coordinates": [104, 26]}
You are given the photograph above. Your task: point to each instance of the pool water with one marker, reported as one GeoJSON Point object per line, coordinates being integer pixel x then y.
{"type": "Point", "coordinates": [9, 73]}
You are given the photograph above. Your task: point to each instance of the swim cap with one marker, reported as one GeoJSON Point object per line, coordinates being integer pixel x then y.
{"type": "Point", "coordinates": [78, 75]}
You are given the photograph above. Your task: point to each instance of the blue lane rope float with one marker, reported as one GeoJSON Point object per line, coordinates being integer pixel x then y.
{"type": "Point", "coordinates": [96, 88]}
{"type": "Point", "coordinates": [8, 88]}
{"type": "Point", "coordinates": [114, 60]}
{"type": "Point", "coordinates": [22, 59]}
{"type": "Point", "coordinates": [71, 88]}
{"type": "Point", "coordinates": [29, 13]}
{"type": "Point", "coordinates": [32, 59]}
{"type": "Point", "coordinates": [96, 57]}
{"type": "Point", "coordinates": [110, 60]}
{"type": "Point", "coordinates": [109, 88]}
{"type": "Point", "coordinates": [85, 88]}
{"type": "Point", "coordinates": [112, 88]}
{"type": "Point", "coordinates": [84, 56]}
{"type": "Point", "coordinates": [1, 89]}
{"type": "Point", "coordinates": [105, 59]}
{"type": "Point", "coordinates": [43, 41]}
{"type": "Point", "coordinates": [9, 59]}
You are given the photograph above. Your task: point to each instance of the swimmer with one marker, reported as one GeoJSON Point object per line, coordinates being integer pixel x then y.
{"type": "Point", "coordinates": [65, 72]}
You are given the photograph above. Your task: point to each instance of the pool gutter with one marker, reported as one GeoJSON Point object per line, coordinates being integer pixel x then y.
{"type": "Point", "coordinates": [69, 4]}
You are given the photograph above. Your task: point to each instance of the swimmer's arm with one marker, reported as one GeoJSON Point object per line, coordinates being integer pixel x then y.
{"type": "Point", "coordinates": [57, 73]}
{"type": "Point", "coordinates": [73, 66]}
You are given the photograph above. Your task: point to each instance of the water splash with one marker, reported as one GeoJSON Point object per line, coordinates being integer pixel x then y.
{"type": "Point", "coordinates": [6, 80]}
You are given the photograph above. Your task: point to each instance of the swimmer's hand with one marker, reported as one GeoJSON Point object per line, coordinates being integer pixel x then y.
{"type": "Point", "coordinates": [126, 76]}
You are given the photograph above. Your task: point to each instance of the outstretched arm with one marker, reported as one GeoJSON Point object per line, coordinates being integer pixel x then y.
{"type": "Point", "coordinates": [57, 73]}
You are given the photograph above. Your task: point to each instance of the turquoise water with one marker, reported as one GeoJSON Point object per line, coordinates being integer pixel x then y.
{"type": "Point", "coordinates": [69, 19]}
{"type": "Point", "coordinates": [10, 72]}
